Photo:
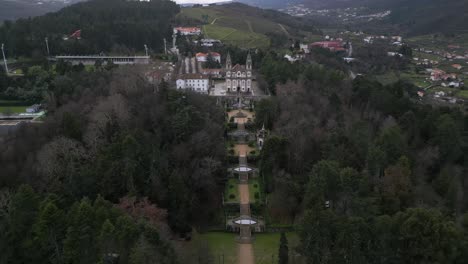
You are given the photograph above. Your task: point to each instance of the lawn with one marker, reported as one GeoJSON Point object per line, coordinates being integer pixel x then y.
{"type": "Point", "coordinates": [255, 187]}
{"type": "Point", "coordinates": [233, 36]}
{"type": "Point", "coordinates": [231, 193]}
{"type": "Point", "coordinates": [220, 244]}
{"type": "Point", "coordinates": [462, 94]}
{"type": "Point", "coordinates": [13, 109]}
{"type": "Point", "coordinates": [266, 247]}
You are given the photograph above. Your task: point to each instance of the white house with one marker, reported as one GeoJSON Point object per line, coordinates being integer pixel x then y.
{"type": "Point", "coordinates": [304, 47]}
{"type": "Point", "coordinates": [203, 57]}
{"type": "Point", "coordinates": [188, 31]}
{"type": "Point", "coordinates": [195, 82]}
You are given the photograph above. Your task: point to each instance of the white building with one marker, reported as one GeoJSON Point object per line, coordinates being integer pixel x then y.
{"type": "Point", "coordinates": [195, 82]}
{"type": "Point", "coordinates": [209, 42]}
{"type": "Point", "coordinates": [305, 48]}
{"type": "Point", "coordinates": [203, 57]}
{"type": "Point", "coordinates": [187, 31]}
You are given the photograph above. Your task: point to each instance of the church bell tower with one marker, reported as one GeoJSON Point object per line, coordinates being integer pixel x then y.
{"type": "Point", "coordinates": [228, 61]}
{"type": "Point", "coordinates": [248, 63]}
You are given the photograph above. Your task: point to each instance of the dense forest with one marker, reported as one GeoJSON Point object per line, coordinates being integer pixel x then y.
{"type": "Point", "coordinates": [367, 172]}
{"type": "Point", "coordinates": [106, 26]}
{"type": "Point", "coordinates": [110, 137]}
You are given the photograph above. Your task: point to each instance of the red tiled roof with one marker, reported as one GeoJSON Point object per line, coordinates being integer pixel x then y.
{"type": "Point", "coordinates": [201, 54]}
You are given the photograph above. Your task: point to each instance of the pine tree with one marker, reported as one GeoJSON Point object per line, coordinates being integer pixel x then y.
{"type": "Point", "coordinates": [283, 254]}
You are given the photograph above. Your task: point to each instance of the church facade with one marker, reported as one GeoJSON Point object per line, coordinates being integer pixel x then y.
{"type": "Point", "coordinates": [239, 77]}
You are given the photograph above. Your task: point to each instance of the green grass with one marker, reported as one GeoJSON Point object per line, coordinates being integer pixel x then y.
{"type": "Point", "coordinates": [13, 109]}
{"type": "Point", "coordinates": [462, 94]}
{"type": "Point", "coordinates": [231, 189]}
{"type": "Point", "coordinates": [266, 247]}
{"type": "Point", "coordinates": [236, 37]}
{"type": "Point", "coordinates": [253, 190]}
{"type": "Point", "coordinates": [220, 243]}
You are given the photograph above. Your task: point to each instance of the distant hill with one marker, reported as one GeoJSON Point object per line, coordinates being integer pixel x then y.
{"type": "Point", "coordinates": [106, 25]}
{"type": "Point", "coordinates": [244, 25]}
{"type": "Point", "coordinates": [14, 9]}
{"type": "Point", "coordinates": [409, 16]}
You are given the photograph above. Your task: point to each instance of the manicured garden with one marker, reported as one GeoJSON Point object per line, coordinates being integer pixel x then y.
{"type": "Point", "coordinates": [255, 191]}
{"type": "Point", "coordinates": [231, 193]}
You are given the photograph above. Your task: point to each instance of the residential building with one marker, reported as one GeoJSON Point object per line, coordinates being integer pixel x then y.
{"type": "Point", "coordinates": [195, 82]}
{"type": "Point", "coordinates": [188, 31]}
{"type": "Point", "coordinates": [203, 57]}
{"type": "Point", "coordinates": [331, 45]}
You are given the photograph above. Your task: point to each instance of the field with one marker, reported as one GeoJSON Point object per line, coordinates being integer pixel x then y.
{"type": "Point", "coordinates": [265, 246]}
{"type": "Point", "coordinates": [12, 109]}
{"type": "Point", "coordinates": [237, 25]}
{"type": "Point", "coordinates": [236, 37]}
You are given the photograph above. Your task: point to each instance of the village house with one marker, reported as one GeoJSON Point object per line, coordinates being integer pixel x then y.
{"type": "Point", "coordinates": [330, 45]}
{"type": "Point", "coordinates": [203, 57]}
{"type": "Point", "coordinates": [457, 66]}
{"type": "Point", "coordinates": [188, 31]}
{"type": "Point", "coordinates": [195, 82]}
{"type": "Point", "coordinates": [210, 42]}
{"type": "Point", "coordinates": [216, 73]}
{"type": "Point", "coordinates": [304, 48]}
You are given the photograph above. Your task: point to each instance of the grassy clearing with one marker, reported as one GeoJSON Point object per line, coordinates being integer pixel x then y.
{"type": "Point", "coordinates": [13, 109]}
{"type": "Point", "coordinates": [236, 37]}
{"type": "Point", "coordinates": [266, 247]}
{"type": "Point", "coordinates": [221, 244]}
{"type": "Point", "coordinates": [231, 193]}
{"type": "Point", "coordinates": [462, 94]}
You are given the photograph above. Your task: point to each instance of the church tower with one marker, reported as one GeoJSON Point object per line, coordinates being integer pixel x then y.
{"type": "Point", "coordinates": [248, 63]}
{"type": "Point", "coordinates": [228, 61]}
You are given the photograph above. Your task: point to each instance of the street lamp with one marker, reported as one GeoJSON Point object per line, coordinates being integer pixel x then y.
{"type": "Point", "coordinates": [146, 50]}
{"type": "Point", "coordinates": [47, 46]}
{"type": "Point", "coordinates": [4, 58]}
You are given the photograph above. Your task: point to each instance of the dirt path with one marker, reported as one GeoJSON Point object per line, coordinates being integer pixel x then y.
{"type": "Point", "coordinates": [244, 193]}
{"type": "Point", "coordinates": [245, 254]}
{"type": "Point", "coordinates": [247, 113]}
{"type": "Point", "coordinates": [284, 29]}
{"type": "Point", "coordinates": [214, 20]}
{"type": "Point", "coordinates": [250, 26]}
{"type": "Point", "coordinates": [240, 120]}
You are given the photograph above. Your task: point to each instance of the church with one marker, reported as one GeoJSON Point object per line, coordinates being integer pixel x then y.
{"type": "Point", "coordinates": [239, 77]}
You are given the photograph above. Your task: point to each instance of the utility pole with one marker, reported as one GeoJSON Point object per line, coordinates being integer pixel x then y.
{"type": "Point", "coordinates": [146, 50]}
{"type": "Point", "coordinates": [165, 47]}
{"type": "Point", "coordinates": [4, 59]}
{"type": "Point", "coordinates": [47, 46]}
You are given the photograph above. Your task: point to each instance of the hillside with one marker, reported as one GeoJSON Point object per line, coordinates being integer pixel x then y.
{"type": "Point", "coordinates": [14, 9]}
{"type": "Point", "coordinates": [413, 17]}
{"type": "Point", "coordinates": [125, 28]}
{"type": "Point", "coordinates": [244, 25]}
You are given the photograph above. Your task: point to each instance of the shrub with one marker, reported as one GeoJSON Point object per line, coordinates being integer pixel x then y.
{"type": "Point", "coordinates": [231, 186]}
{"type": "Point", "coordinates": [257, 195]}
{"type": "Point", "coordinates": [232, 196]}
{"type": "Point", "coordinates": [255, 185]}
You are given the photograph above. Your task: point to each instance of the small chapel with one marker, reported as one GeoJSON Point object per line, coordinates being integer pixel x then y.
{"type": "Point", "coordinates": [239, 77]}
